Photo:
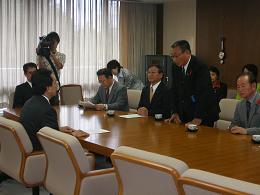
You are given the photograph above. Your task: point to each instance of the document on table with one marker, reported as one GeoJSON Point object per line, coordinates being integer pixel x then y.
{"type": "Point", "coordinates": [2, 111]}
{"type": "Point", "coordinates": [95, 131]}
{"type": "Point", "coordinates": [86, 104]}
{"type": "Point", "coordinates": [131, 116]}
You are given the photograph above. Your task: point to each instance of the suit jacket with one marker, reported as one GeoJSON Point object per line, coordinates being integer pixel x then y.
{"type": "Point", "coordinates": [159, 103]}
{"type": "Point", "coordinates": [117, 98]}
{"type": "Point", "coordinates": [240, 117]}
{"type": "Point", "coordinates": [22, 93]}
{"type": "Point", "coordinates": [192, 93]}
{"type": "Point", "coordinates": [36, 114]}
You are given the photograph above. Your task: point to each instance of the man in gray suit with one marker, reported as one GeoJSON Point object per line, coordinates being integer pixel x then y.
{"type": "Point", "coordinates": [111, 95]}
{"type": "Point", "coordinates": [247, 114]}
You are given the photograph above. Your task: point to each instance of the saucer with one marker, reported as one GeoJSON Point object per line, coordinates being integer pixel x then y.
{"type": "Point", "coordinates": [192, 128]}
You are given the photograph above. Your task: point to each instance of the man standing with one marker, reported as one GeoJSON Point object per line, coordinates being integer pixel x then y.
{"type": "Point", "coordinates": [111, 95]}
{"type": "Point", "coordinates": [247, 114]}
{"type": "Point", "coordinates": [193, 101]}
{"type": "Point", "coordinates": [23, 92]}
{"type": "Point", "coordinates": [37, 111]}
{"type": "Point", "coordinates": [154, 98]}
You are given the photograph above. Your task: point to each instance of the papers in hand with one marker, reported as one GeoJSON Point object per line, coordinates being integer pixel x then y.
{"type": "Point", "coordinates": [87, 104]}
{"type": "Point", "coordinates": [131, 116]}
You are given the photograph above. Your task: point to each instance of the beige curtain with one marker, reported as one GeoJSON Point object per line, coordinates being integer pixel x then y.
{"type": "Point", "coordinates": [137, 35]}
{"type": "Point", "coordinates": [89, 34]}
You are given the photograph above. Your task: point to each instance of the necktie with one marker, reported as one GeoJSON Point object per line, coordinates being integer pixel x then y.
{"type": "Point", "coordinates": [248, 108]}
{"type": "Point", "coordinates": [107, 94]}
{"type": "Point", "coordinates": [151, 93]}
{"type": "Point", "coordinates": [183, 70]}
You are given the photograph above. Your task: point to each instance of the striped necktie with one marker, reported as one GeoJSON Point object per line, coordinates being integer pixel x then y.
{"type": "Point", "coordinates": [107, 95]}
{"type": "Point", "coordinates": [151, 93]}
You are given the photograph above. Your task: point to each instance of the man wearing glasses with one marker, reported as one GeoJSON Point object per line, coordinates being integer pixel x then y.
{"type": "Point", "coordinates": [193, 101]}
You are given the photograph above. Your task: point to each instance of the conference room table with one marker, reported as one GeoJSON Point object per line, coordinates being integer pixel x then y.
{"type": "Point", "coordinates": [208, 149]}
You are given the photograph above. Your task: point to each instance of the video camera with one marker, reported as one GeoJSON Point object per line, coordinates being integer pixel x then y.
{"type": "Point", "coordinates": [43, 48]}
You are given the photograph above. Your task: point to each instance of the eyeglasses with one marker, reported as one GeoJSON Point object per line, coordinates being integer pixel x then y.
{"type": "Point", "coordinates": [176, 56]}
{"type": "Point", "coordinates": [150, 72]}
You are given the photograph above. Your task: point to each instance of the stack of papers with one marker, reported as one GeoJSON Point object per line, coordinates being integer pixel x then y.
{"type": "Point", "coordinates": [95, 131]}
{"type": "Point", "coordinates": [87, 104]}
{"type": "Point", "coordinates": [131, 116]}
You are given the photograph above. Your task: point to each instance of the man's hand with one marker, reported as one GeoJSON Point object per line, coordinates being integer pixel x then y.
{"type": "Point", "coordinates": [67, 129]}
{"type": "Point", "coordinates": [100, 106]}
{"type": "Point", "coordinates": [142, 111]}
{"type": "Point", "coordinates": [175, 118]}
{"type": "Point", "coordinates": [195, 121]}
{"type": "Point", "coordinates": [238, 130]}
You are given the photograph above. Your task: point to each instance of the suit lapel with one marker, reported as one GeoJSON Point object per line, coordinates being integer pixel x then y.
{"type": "Point", "coordinates": [112, 92]}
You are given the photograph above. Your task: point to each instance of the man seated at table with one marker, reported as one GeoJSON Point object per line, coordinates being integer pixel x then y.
{"type": "Point", "coordinates": [247, 114]}
{"type": "Point", "coordinates": [37, 111]}
{"type": "Point", "coordinates": [23, 92]}
{"type": "Point", "coordinates": [111, 95]}
{"type": "Point", "coordinates": [155, 96]}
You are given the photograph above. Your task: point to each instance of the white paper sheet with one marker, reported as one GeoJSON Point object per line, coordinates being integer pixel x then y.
{"type": "Point", "coordinates": [131, 116]}
{"type": "Point", "coordinates": [95, 131]}
{"type": "Point", "coordinates": [87, 104]}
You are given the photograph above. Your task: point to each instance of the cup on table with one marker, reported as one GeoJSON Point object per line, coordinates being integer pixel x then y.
{"type": "Point", "coordinates": [256, 139]}
{"type": "Point", "coordinates": [110, 112]}
{"type": "Point", "coordinates": [158, 117]}
{"type": "Point", "coordinates": [192, 128]}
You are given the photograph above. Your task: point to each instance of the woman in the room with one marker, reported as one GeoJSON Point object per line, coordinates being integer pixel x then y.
{"type": "Point", "coordinates": [219, 88]}
{"type": "Point", "coordinates": [123, 76]}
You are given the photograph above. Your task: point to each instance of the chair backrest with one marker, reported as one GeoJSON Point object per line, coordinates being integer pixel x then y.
{"type": "Point", "coordinates": [133, 98]}
{"type": "Point", "coordinates": [15, 144]}
{"type": "Point", "coordinates": [140, 172]}
{"type": "Point", "coordinates": [195, 181]}
{"type": "Point", "coordinates": [70, 94]}
{"type": "Point", "coordinates": [66, 161]}
{"type": "Point", "coordinates": [227, 108]}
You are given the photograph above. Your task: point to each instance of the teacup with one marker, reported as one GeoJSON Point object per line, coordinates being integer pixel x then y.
{"type": "Point", "coordinates": [158, 116]}
{"type": "Point", "coordinates": [256, 138]}
{"type": "Point", "coordinates": [192, 127]}
{"type": "Point", "coordinates": [110, 112]}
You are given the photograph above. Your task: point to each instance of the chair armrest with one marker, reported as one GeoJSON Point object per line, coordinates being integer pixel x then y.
{"type": "Point", "coordinates": [99, 172]}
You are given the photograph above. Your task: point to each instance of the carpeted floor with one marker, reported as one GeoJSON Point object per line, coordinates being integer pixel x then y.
{"type": "Point", "coordinates": [12, 187]}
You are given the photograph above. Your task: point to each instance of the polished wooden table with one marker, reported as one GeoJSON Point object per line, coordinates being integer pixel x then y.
{"type": "Point", "coordinates": [208, 149]}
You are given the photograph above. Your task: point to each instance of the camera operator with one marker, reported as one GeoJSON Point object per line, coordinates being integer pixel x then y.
{"type": "Point", "coordinates": [57, 58]}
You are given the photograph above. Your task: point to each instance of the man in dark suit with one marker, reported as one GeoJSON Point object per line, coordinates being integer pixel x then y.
{"type": "Point", "coordinates": [111, 95]}
{"type": "Point", "coordinates": [37, 111]}
{"type": "Point", "coordinates": [154, 98]}
{"type": "Point", "coordinates": [247, 114]}
{"type": "Point", "coordinates": [23, 92]}
{"type": "Point", "coordinates": [193, 101]}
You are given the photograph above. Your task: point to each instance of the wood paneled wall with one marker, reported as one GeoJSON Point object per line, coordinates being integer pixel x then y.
{"type": "Point", "coordinates": [239, 22]}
